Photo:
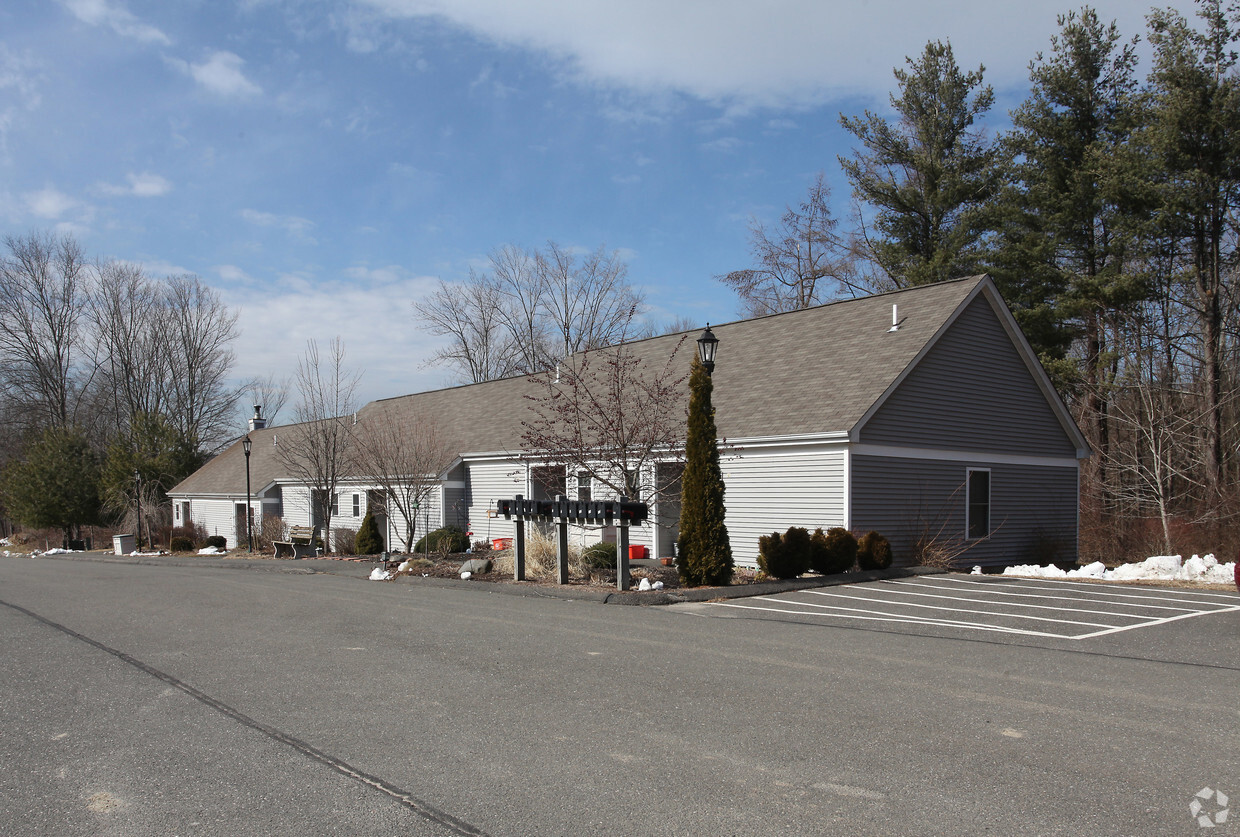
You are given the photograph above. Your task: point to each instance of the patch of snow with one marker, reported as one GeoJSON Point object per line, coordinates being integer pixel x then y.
{"type": "Point", "coordinates": [58, 551]}
{"type": "Point", "coordinates": [467, 574]}
{"type": "Point", "coordinates": [380, 574]}
{"type": "Point", "coordinates": [5, 542]}
{"type": "Point", "coordinates": [213, 550]}
{"type": "Point", "coordinates": [644, 585]}
{"type": "Point", "coordinates": [405, 566]}
{"type": "Point", "coordinates": [1205, 569]}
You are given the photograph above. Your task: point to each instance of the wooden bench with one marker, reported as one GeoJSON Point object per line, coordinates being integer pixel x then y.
{"type": "Point", "coordinates": [300, 542]}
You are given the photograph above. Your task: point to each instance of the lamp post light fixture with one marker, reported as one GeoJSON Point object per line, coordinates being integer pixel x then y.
{"type": "Point", "coordinates": [137, 493]}
{"type": "Point", "coordinates": [707, 344]}
{"type": "Point", "coordinates": [249, 514]}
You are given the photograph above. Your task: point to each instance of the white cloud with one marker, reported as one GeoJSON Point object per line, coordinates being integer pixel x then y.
{"type": "Point", "coordinates": [292, 224]}
{"type": "Point", "coordinates": [49, 203]}
{"type": "Point", "coordinates": [776, 53]}
{"type": "Point", "coordinates": [145, 185]}
{"type": "Point", "coordinates": [370, 308]}
{"type": "Point", "coordinates": [120, 20]}
{"type": "Point", "coordinates": [723, 145]}
{"type": "Point", "coordinates": [232, 274]}
{"type": "Point", "coordinates": [221, 75]}
{"type": "Point", "coordinates": [158, 267]}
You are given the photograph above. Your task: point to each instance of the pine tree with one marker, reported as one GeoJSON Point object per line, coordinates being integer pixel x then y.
{"type": "Point", "coordinates": [703, 552]}
{"type": "Point", "coordinates": [1193, 137]}
{"type": "Point", "coordinates": [1072, 212]}
{"type": "Point", "coordinates": [56, 484]}
{"type": "Point", "coordinates": [929, 174]}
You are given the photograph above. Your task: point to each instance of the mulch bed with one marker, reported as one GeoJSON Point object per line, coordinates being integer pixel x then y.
{"type": "Point", "coordinates": [450, 567]}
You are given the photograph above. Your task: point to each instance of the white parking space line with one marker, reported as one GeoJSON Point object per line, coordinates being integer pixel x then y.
{"type": "Point", "coordinates": [997, 606]}
{"type": "Point", "coordinates": [1039, 607]}
{"type": "Point", "coordinates": [1101, 589]}
{"type": "Point", "coordinates": [881, 616]}
{"type": "Point", "coordinates": [857, 598]}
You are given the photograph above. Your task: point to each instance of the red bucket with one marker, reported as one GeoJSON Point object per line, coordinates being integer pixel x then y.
{"type": "Point", "coordinates": [637, 553]}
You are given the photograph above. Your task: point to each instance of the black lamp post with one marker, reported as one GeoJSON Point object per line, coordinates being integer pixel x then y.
{"type": "Point", "coordinates": [137, 493]}
{"type": "Point", "coordinates": [707, 344]}
{"type": "Point", "coordinates": [249, 515]}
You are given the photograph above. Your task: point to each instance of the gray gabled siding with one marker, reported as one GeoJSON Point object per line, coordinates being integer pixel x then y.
{"type": "Point", "coordinates": [1031, 507]}
{"type": "Point", "coordinates": [971, 391]}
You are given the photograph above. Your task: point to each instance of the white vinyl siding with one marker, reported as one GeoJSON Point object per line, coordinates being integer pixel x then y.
{"type": "Point", "coordinates": [488, 482]}
{"type": "Point", "coordinates": [770, 491]}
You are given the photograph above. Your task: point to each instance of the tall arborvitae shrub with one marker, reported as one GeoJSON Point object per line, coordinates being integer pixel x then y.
{"type": "Point", "coordinates": [369, 539]}
{"type": "Point", "coordinates": [833, 551]}
{"type": "Point", "coordinates": [703, 552]}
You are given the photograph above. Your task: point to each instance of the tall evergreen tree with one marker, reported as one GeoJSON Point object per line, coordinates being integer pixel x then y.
{"type": "Point", "coordinates": [703, 551]}
{"type": "Point", "coordinates": [929, 174]}
{"type": "Point", "coordinates": [1066, 218]}
{"type": "Point", "coordinates": [1193, 137]}
{"type": "Point", "coordinates": [56, 484]}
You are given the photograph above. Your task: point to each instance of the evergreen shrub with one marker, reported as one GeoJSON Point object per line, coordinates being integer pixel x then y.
{"type": "Point", "coordinates": [180, 543]}
{"type": "Point", "coordinates": [218, 541]}
{"type": "Point", "coordinates": [369, 540]}
{"type": "Point", "coordinates": [834, 551]}
{"type": "Point", "coordinates": [599, 556]}
{"type": "Point", "coordinates": [447, 539]}
{"type": "Point", "coordinates": [786, 555]}
{"type": "Point", "coordinates": [873, 552]}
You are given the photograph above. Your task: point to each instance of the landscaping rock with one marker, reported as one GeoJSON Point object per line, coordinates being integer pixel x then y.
{"type": "Point", "coordinates": [477, 565]}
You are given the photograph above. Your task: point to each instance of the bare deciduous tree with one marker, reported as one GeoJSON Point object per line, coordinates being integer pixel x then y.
{"type": "Point", "coordinates": [45, 359]}
{"type": "Point", "coordinates": [317, 450]}
{"type": "Point", "coordinates": [405, 455]}
{"type": "Point", "coordinates": [200, 332]}
{"type": "Point", "coordinates": [612, 415]}
{"type": "Point", "coordinates": [796, 262]}
{"type": "Point", "coordinates": [270, 393]}
{"type": "Point", "coordinates": [128, 317]}
{"type": "Point", "coordinates": [588, 304]}
{"type": "Point", "coordinates": [467, 313]}
{"type": "Point", "coordinates": [530, 309]}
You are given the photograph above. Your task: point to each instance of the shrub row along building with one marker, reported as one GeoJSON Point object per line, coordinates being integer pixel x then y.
{"type": "Point", "coordinates": [922, 414]}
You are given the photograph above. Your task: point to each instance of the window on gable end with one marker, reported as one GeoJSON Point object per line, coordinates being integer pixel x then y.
{"type": "Point", "coordinates": [977, 503]}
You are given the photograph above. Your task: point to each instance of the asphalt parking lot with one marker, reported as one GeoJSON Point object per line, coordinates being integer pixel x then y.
{"type": "Point", "coordinates": [1054, 609]}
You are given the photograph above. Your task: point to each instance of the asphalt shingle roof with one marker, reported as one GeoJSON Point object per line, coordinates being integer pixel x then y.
{"type": "Point", "coordinates": [812, 371]}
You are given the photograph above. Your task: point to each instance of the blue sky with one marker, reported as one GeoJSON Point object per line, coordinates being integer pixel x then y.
{"type": "Point", "coordinates": [323, 163]}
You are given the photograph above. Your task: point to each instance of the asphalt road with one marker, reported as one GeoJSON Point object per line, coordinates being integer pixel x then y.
{"type": "Point", "coordinates": [147, 700]}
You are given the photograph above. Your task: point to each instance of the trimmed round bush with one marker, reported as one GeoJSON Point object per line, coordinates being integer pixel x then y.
{"type": "Point", "coordinates": [449, 538]}
{"type": "Point", "coordinates": [180, 543]}
{"type": "Point", "coordinates": [873, 552]}
{"type": "Point", "coordinates": [786, 555]}
{"type": "Point", "coordinates": [218, 541]}
{"type": "Point", "coordinates": [599, 556]}
{"type": "Point", "coordinates": [833, 551]}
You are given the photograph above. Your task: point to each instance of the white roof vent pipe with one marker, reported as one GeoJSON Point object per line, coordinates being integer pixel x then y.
{"type": "Point", "coordinates": [895, 319]}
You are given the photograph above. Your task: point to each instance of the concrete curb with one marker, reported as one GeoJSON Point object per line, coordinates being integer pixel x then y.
{"type": "Point", "coordinates": [362, 569]}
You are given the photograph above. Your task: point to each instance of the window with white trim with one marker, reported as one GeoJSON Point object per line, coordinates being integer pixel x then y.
{"type": "Point", "coordinates": [977, 503]}
{"type": "Point", "coordinates": [357, 505]}
{"type": "Point", "coordinates": [583, 486]}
